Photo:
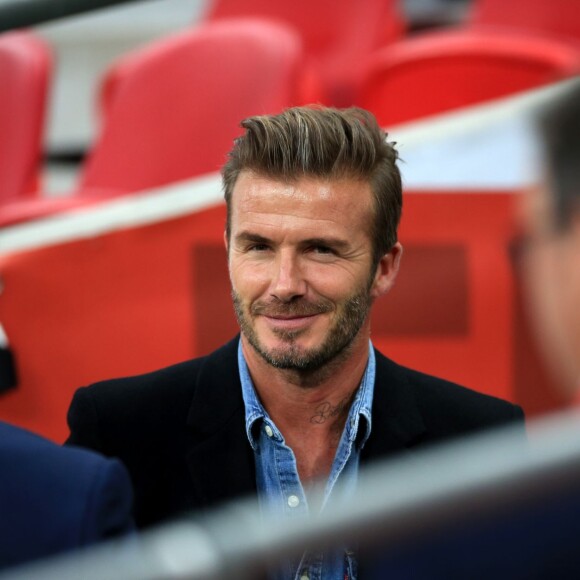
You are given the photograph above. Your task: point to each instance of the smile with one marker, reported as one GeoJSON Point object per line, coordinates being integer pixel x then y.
{"type": "Point", "coordinates": [290, 322]}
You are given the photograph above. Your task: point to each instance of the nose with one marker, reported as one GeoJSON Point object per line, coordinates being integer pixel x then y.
{"type": "Point", "coordinates": [287, 281]}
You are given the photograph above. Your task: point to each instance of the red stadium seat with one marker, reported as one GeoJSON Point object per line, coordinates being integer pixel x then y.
{"type": "Point", "coordinates": [25, 68]}
{"type": "Point", "coordinates": [445, 71]}
{"type": "Point", "coordinates": [173, 108]}
{"type": "Point", "coordinates": [556, 18]}
{"type": "Point", "coordinates": [337, 35]}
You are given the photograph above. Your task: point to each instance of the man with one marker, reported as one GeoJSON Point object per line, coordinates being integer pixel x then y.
{"type": "Point", "coordinates": [54, 500]}
{"type": "Point", "coordinates": [551, 220]}
{"type": "Point", "coordinates": [301, 397]}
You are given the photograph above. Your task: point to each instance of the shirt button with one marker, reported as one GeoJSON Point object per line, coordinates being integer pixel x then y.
{"type": "Point", "coordinates": [269, 431]}
{"type": "Point", "coordinates": [293, 501]}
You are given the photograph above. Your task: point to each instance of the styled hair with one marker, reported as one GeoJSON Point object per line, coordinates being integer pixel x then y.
{"type": "Point", "coordinates": [559, 125]}
{"type": "Point", "coordinates": [325, 143]}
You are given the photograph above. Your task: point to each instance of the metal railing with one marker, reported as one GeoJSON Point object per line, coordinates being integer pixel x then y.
{"type": "Point", "coordinates": [455, 483]}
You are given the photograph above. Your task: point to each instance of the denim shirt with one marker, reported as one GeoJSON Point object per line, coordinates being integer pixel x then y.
{"type": "Point", "coordinates": [280, 491]}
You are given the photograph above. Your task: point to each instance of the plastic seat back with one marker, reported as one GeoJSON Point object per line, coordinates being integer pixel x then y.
{"type": "Point", "coordinates": [174, 108]}
{"type": "Point", "coordinates": [442, 72]}
{"type": "Point", "coordinates": [337, 34]}
{"type": "Point", "coordinates": [25, 68]}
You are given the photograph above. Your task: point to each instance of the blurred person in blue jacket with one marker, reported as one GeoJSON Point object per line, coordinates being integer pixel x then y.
{"type": "Point", "coordinates": [55, 499]}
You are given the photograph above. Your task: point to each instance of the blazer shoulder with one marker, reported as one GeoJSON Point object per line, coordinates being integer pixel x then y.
{"type": "Point", "coordinates": [165, 382]}
{"type": "Point", "coordinates": [151, 404]}
{"type": "Point", "coordinates": [445, 405]}
{"type": "Point", "coordinates": [162, 385]}
{"type": "Point", "coordinates": [132, 406]}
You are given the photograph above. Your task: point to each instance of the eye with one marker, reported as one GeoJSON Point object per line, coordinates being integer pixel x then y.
{"type": "Point", "coordinates": [323, 250]}
{"type": "Point", "coordinates": [258, 248]}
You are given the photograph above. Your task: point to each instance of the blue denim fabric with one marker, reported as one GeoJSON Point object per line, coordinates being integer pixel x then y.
{"type": "Point", "coordinates": [280, 491]}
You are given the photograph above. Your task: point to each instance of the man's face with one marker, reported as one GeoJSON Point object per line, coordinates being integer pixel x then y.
{"type": "Point", "coordinates": [300, 261]}
{"type": "Point", "coordinates": [551, 269]}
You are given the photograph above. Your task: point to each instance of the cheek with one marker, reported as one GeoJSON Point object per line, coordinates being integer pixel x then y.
{"type": "Point", "coordinates": [334, 280]}
{"type": "Point", "coordinates": [557, 282]}
{"type": "Point", "coordinates": [248, 279]}
{"type": "Point", "coordinates": [553, 292]}
{"type": "Point", "coordinates": [566, 296]}
{"type": "Point", "coordinates": [543, 287]}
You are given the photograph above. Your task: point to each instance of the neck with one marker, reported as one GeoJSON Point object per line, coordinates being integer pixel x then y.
{"type": "Point", "coordinates": [317, 399]}
{"type": "Point", "coordinates": [310, 409]}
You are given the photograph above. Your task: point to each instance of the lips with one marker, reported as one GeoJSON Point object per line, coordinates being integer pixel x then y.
{"type": "Point", "coordinates": [290, 311]}
{"type": "Point", "coordinates": [290, 317]}
{"type": "Point", "coordinates": [290, 322]}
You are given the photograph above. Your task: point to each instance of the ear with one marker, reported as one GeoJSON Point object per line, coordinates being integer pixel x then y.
{"type": "Point", "coordinates": [387, 271]}
{"type": "Point", "coordinates": [226, 243]}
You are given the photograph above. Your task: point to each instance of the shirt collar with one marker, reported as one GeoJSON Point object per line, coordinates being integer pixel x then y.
{"type": "Point", "coordinates": [254, 409]}
{"type": "Point", "coordinates": [361, 406]}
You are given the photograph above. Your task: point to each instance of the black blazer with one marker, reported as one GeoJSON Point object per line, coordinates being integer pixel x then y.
{"type": "Point", "coordinates": [181, 430]}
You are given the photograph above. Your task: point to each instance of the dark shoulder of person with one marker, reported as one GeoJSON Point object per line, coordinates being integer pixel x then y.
{"type": "Point", "coordinates": [443, 408]}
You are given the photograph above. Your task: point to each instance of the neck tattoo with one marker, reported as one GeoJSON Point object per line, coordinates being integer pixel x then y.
{"type": "Point", "coordinates": [326, 410]}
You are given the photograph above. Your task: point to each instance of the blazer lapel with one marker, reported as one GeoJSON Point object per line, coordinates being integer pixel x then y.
{"type": "Point", "coordinates": [220, 459]}
{"type": "Point", "coordinates": [219, 456]}
{"type": "Point", "coordinates": [397, 420]}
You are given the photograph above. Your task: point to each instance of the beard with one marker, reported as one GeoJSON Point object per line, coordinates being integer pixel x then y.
{"type": "Point", "coordinates": [351, 314]}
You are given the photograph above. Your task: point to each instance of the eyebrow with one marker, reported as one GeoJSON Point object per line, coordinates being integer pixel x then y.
{"type": "Point", "coordinates": [335, 243]}
{"type": "Point", "coordinates": [250, 237]}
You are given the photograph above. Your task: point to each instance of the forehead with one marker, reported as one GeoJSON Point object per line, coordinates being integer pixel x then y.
{"type": "Point", "coordinates": [307, 197]}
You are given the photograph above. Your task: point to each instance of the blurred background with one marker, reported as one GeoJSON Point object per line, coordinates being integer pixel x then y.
{"type": "Point", "coordinates": [86, 45]}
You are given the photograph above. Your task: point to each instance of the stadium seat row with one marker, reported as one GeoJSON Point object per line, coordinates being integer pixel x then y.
{"type": "Point", "coordinates": [170, 111]}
